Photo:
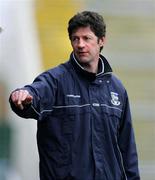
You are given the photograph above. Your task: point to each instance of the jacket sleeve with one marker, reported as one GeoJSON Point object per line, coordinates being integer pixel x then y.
{"type": "Point", "coordinates": [127, 144]}
{"type": "Point", "coordinates": [43, 90]}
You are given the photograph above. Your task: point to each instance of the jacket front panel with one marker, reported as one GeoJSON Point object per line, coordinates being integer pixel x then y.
{"type": "Point", "coordinates": [83, 125]}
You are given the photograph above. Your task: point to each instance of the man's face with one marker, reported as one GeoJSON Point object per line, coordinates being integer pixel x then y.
{"type": "Point", "coordinates": [86, 45]}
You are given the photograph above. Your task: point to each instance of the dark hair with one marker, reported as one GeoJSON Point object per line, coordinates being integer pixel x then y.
{"type": "Point", "coordinates": [85, 19]}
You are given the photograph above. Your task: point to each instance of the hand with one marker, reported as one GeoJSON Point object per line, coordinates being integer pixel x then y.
{"type": "Point", "coordinates": [21, 98]}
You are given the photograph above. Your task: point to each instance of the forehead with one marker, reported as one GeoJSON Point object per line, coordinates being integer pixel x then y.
{"type": "Point", "coordinates": [83, 31]}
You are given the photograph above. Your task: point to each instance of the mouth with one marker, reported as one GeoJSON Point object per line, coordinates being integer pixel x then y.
{"type": "Point", "coordinates": [82, 53]}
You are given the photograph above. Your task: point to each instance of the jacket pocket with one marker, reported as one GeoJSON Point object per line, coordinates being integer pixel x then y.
{"type": "Point", "coordinates": [111, 110]}
{"type": "Point", "coordinates": [111, 116]}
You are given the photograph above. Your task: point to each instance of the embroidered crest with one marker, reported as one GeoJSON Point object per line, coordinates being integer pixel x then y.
{"type": "Point", "coordinates": [115, 99]}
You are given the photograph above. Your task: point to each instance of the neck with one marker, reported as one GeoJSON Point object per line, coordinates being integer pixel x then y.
{"type": "Point", "coordinates": [91, 67]}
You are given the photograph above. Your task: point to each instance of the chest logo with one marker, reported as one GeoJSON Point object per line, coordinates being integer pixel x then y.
{"type": "Point", "coordinates": [115, 99]}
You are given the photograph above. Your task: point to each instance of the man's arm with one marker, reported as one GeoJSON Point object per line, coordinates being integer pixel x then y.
{"type": "Point", "coordinates": [127, 144]}
{"type": "Point", "coordinates": [33, 100]}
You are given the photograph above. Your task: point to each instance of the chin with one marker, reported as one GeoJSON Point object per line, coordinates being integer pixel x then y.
{"type": "Point", "coordinates": [83, 59]}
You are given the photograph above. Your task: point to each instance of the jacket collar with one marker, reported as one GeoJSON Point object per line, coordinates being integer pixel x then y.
{"type": "Point", "coordinates": [103, 67]}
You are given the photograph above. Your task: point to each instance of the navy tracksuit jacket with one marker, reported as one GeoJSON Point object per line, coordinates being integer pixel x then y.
{"type": "Point", "coordinates": [84, 124]}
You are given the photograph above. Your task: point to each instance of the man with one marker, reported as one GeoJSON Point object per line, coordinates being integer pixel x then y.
{"type": "Point", "coordinates": [82, 110]}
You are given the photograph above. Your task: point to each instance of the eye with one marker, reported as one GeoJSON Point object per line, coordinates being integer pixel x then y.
{"type": "Point", "coordinates": [75, 39]}
{"type": "Point", "coordinates": [87, 38]}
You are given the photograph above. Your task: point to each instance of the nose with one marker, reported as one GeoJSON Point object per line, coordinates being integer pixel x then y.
{"type": "Point", "coordinates": [81, 43]}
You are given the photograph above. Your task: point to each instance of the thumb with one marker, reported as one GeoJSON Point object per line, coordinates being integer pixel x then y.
{"type": "Point", "coordinates": [28, 99]}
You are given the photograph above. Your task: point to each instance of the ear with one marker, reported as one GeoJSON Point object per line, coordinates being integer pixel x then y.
{"type": "Point", "coordinates": [102, 41]}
